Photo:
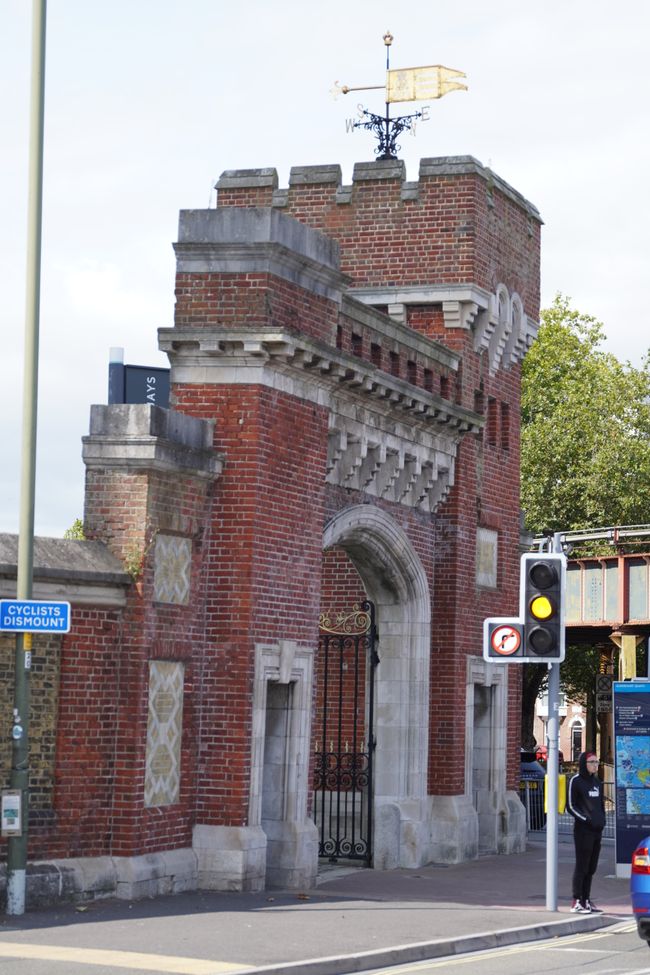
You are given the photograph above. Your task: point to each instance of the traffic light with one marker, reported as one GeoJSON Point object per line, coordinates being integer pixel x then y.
{"type": "Point", "coordinates": [542, 607]}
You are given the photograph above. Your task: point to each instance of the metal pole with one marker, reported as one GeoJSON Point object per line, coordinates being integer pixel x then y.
{"type": "Point", "coordinates": [552, 771]}
{"type": "Point", "coordinates": [388, 40]}
{"type": "Point", "coordinates": [17, 845]}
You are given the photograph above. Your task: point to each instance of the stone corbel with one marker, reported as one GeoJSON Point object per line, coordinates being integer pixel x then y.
{"type": "Point", "coordinates": [337, 444]}
{"type": "Point", "coordinates": [459, 314]}
{"type": "Point", "coordinates": [397, 312]}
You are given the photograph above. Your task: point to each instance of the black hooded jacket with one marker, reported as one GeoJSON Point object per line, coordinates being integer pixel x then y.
{"type": "Point", "coordinates": [585, 800]}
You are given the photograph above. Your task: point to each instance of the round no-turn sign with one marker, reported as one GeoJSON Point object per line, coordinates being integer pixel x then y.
{"type": "Point", "coordinates": [505, 640]}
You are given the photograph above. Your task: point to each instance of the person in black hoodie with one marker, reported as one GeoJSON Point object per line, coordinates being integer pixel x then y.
{"type": "Point", "coordinates": [587, 806]}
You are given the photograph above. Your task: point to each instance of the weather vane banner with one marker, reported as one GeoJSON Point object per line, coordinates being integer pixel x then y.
{"type": "Point", "coordinates": [405, 85]}
{"type": "Point", "coordinates": [420, 84]}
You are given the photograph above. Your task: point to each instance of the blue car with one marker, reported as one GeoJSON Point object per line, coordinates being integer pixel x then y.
{"type": "Point", "coordinates": [640, 888]}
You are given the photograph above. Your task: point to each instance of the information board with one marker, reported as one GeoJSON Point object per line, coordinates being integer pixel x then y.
{"type": "Point", "coordinates": [632, 768]}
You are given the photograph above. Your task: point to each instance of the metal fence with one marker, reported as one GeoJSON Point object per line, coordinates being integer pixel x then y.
{"type": "Point", "coordinates": [532, 796]}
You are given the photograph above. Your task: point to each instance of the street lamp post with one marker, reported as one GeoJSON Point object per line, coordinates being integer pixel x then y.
{"type": "Point", "coordinates": [17, 844]}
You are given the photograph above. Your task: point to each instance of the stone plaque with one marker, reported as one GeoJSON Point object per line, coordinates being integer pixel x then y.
{"type": "Point", "coordinates": [487, 543]}
{"type": "Point", "coordinates": [172, 564]}
{"type": "Point", "coordinates": [164, 730]}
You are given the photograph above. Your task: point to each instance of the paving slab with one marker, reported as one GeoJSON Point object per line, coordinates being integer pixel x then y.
{"type": "Point", "coordinates": [354, 920]}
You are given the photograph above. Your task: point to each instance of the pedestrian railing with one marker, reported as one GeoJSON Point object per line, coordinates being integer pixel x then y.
{"type": "Point", "coordinates": [531, 794]}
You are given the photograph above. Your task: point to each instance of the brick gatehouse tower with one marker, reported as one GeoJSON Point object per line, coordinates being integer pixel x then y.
{"type": "Point", "coordinates": [284, 660]}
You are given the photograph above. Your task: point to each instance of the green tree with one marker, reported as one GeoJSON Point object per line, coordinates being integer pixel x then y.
{"type": "Point", "coordinates": [585, 454]}
{"type": "Point", "coordinates": [585, 438]}
{"type": "Point", "coordinates": [75, 531]}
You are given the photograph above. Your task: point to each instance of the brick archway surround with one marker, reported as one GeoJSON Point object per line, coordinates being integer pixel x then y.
{"type": "Point", "coordinates": [395, 580]}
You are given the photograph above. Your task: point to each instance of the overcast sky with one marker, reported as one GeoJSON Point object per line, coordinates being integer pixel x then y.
{"type": "Point", "coordinates": [148, 101]}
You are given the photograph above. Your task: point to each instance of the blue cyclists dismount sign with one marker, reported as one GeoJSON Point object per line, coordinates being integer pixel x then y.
{"type": "Point", "coordinates": [34, 616]}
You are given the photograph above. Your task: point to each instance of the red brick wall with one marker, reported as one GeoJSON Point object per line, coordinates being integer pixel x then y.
{"type": "Point", "coordinates": [457, 228]}
{"type": "Point", "coordinates": [86, 737]}
{"type": "Point", "coordinates": [263, 566]}
{"type": "Point", "coordinates": [111, 665]}
{"type": "Point", "coordinates": [251, 301]}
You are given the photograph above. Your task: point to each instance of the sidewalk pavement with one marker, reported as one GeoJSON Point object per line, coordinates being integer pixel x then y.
{"type": "Point", "coordinates": [355, 919]}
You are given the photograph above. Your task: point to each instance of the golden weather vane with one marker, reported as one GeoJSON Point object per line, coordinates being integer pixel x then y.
{"type": "Point", "coordinates": [403, 85]}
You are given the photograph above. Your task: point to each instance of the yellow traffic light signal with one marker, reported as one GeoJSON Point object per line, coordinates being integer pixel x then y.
{"type": "Point", "coordinates": [542, 587]}
{"type": "Point", "coordinates": [541, 608]}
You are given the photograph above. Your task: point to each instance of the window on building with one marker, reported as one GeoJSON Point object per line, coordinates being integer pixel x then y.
{"type": "Point", "coordinates": [505, 426]}
{"type": "Point", "coordinates": [576, 742]}
{"type": "Point", "coordinates": [491, 426]}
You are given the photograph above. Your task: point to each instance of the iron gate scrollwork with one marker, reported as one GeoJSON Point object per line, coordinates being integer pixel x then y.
{"type": "Point", "coordinates": [343, 760]}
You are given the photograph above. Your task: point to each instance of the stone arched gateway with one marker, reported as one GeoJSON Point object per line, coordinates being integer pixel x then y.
{"type": "Point", "coordinates": [343, 359]}
{"type": "Point", "coordinates": [396, 583]}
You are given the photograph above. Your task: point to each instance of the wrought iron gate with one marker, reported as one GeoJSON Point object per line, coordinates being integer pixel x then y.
{"type": "Point", "coordinates": [347, 658]}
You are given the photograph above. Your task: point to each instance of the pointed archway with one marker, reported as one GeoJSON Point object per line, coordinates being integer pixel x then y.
{"type": "Point", "coordinates": [396, 582]}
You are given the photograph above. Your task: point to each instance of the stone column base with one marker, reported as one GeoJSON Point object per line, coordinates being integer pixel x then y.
{"type": "Point", "coordinates": [291, 854]}
{"type": "Point", "coordinates": [401, 834]}
{"type": "Point", "coordinates": [515, 838]}
{"type": "Point", "coordinates": [230, 857]}
{"type": "Point", "coordinates": [501, 822]}
{"type": "Point", "coordinates": [454, 829]}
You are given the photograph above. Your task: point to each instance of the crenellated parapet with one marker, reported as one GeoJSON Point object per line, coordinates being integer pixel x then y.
{"type": "Point", "coordinates": [459, 240]}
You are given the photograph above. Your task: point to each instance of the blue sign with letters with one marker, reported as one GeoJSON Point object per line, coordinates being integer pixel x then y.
{"type": "Point", "coordinates": [34, 616]}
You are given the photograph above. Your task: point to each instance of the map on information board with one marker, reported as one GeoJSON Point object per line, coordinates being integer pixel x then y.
{"type": "Point", "coordinates": [633, 762]}
{"type": "Point", "coordinates": [637, 802]}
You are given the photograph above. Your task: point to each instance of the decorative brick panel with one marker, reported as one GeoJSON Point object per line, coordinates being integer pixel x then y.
{"type": "Point", "coordinates": [164, 730]}
{"type": "Point", "coordinates": [172, 569]}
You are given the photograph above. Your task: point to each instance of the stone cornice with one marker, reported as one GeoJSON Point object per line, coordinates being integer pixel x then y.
{"type": "Point", "coordinates": [261, 258]}
{"type": "Point", "coordinates": [422, 294]}
{"type": "Point", "coordinates": [139, 437]}
{"type": "Point", "coordinates": [224, 356]}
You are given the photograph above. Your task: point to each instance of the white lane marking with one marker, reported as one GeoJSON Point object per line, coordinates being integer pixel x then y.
{"type": "Point", "coordinates": [556, 944]}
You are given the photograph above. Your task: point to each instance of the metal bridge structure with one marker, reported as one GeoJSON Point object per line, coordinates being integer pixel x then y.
{"type": "Point", "coordinates": [608, 596]}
